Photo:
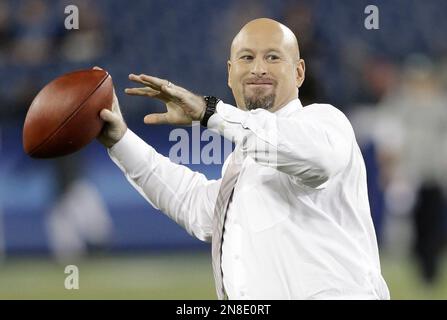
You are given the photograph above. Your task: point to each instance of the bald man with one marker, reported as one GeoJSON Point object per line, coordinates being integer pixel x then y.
{"type": "Point", "coordinates": [290, 218]}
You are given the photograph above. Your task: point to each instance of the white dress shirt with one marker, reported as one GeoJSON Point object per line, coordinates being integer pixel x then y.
{"type": "Point", "coordinates": [299, 224]}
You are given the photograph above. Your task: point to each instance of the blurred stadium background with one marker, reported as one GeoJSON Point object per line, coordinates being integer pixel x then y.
{"type": "Point", "coordinates": [80, 210]}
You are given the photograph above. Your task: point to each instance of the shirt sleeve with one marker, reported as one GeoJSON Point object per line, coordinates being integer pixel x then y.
{"type": "Point", "coordinates": [311, 145]}
{"type": "Point", "coordinates": [185, 196]}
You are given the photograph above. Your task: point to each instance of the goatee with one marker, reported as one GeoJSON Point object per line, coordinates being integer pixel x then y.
{"type": "Point", "coordinates": [264, 102]}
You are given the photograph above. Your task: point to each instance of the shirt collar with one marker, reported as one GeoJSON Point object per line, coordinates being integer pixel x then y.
{"type": "Point", "coordinates": [289, 108]}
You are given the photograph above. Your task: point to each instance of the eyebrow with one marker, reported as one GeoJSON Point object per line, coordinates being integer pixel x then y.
{"type": "Point", "coordinates": [242, 50]}
{"type": "Point", "coordinates": [250, 50]}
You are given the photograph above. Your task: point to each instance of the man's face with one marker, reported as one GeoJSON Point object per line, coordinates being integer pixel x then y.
{"type": "Point", "coordinates": [264, 70]}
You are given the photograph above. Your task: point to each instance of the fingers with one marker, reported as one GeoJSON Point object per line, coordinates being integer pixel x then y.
{"type": "Point", "coordinates": [97, 68]}
{"type": "Point", "coordinates": [139, 79]}
{"type": "Point", "coordinates": [153, 82]}
{"type": "Point", "coordinates": [157, 82]}
{"type": "Point", "coordinates": [160, 85]}
{"type": "Point", "coordinates": [156, 118]}
{"type": "Point", "coordinates": [146, 91]}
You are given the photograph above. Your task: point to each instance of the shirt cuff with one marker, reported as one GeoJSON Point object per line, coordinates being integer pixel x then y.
{"type": "Point", "coordinates": [227, 121]}
{"type": "Point", "coordinates": [232, 123]}
{"type": "Point", "coordinates": [229, 113]}
{"type": "Point", "coordinates": [130, 151]}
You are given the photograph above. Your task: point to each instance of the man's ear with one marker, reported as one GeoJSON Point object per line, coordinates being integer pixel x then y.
{"type": "Point", "coordinates": [229, 70]}
{"type": "Point", "coordinates": [300, 72]}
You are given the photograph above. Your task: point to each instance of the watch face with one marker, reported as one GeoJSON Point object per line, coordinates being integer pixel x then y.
{"type": "Point", "coordinates": [210, 100]}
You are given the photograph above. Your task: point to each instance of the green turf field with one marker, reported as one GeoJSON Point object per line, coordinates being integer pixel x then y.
{"type": "Point", "coordinates": [160, 276]}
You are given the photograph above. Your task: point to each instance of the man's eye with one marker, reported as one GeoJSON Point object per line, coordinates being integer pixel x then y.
{"type": "Point", "coordinates": [272, 57]}
{"type": "Point", "coordinates": [246, 57]}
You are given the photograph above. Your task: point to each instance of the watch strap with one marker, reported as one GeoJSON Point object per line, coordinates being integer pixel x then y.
{"type": "Point", "coordinates": [210, 109]}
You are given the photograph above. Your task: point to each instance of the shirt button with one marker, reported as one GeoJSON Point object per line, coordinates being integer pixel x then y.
{"type": "Point", "coordinates": [242, 293]}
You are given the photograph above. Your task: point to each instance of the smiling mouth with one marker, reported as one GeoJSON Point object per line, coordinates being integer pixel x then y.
{"type": "Point", "coordinates": [260, 84]}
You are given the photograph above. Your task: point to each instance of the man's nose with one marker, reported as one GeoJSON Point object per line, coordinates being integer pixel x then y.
{"type": "Point", "coordinates": [258, 68]}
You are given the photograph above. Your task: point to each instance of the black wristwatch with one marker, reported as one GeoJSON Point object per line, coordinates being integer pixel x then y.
{"type": "Point", "coordinates": [211, 103]}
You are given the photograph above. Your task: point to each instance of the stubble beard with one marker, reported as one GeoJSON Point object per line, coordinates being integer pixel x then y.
{"type": "Point", "coordinates": [259, 101]}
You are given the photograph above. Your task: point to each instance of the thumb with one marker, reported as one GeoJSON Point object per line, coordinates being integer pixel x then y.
{"type": "Point", "coordinates": [107, 115]}
{"type": "Point", "coordinates": [156, 118]}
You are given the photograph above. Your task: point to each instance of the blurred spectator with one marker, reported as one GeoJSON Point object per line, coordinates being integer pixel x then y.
{"type": "Point", "coordinates": [79, 220]}
{"type": "Point", "coordinates": [379, 78]}
{"type": "Point", "coordinates": [362, 119]}
{"type": "Point", "coordinates": [411, 131]}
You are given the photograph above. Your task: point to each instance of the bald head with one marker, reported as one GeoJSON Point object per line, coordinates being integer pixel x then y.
{"type": "Point", "coordinates": [265, 69]}
{"type": "Point", "coordinates": [266, 29]}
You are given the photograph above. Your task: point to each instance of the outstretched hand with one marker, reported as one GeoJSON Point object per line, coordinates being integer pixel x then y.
{"type": "Point", "coordinates": [183, 107]}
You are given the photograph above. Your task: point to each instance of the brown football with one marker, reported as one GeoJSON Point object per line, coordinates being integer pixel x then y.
{"type": "Point", "coordinates": [64, 116]}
